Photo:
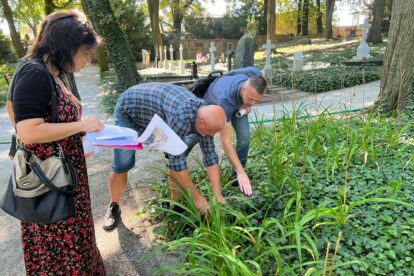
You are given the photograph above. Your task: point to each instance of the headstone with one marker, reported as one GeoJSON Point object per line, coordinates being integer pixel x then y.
{"type": "Point", "coordinates": [181, 59]}
{"type": "Point", "coordinates": [194, 73]}
{"type": "Point", "coordinates": [143, 52]}
{"type": "Point", "coordinates": [297, 61]}
{"type": "Point", "coordinates": [229, 53]}
{"type": "Point", "coordinates": [171, 56]}
{"type": "Point", "coordinates": [156, 56]}
{"type": "Point", "coordinates": [268, 46]}
{"type": "Point", "coordinates": [165, 57]}
{"type": "Point", "coordinates": [363, 49]}
{"type": "Point", "coordinates": [212, 51]}
{"type": "Point", "coordinates": [147, 60]}
{"type": "Point", "coordinates": [244, 52]}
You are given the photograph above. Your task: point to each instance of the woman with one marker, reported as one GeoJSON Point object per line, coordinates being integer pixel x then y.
{"type": "Point", "coordinates": [64, 46]}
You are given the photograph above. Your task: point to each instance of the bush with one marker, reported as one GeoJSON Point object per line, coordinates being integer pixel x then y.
{"type": "Point", "coordinates": [327, 79]}
{"type": "Point", "coordinates": [6, 53]}
{"type": "Point", "coordinates": [4, 88]}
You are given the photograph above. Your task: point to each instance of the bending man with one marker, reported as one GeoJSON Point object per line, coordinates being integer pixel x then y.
{"type": "Point", "coordinates": [185, 114]}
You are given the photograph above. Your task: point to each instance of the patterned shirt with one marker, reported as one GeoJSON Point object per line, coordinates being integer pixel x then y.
{"type": "Point", "coordinates": [176, 106]}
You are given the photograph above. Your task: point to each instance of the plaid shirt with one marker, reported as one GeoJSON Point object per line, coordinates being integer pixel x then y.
{"type": "Point", "coordinates": [176, 106]}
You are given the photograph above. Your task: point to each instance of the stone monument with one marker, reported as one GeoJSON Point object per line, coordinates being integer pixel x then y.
{"type": "Point", "coordinates": [297, 61]}
{"type": "Point", "coordinates": [268, 67]}
{"type": "Point", "coordinates": [244, 52]}
{"type": "Point", "coordinates": [171, 56]}
{"type": "Point", "coordinates": [363, 49]}
{"type": "Point", "coordinates": [165, 58]}
{"type": "Point", "coordinates": [181, 59]}
{"type": "Point", "coordinates": [213, 50]}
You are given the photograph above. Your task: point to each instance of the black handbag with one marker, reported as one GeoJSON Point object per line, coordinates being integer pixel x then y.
{"type": "Point", "coordinates": [13, 146]}
{"type": "Point", "coordinates": [31, 195]}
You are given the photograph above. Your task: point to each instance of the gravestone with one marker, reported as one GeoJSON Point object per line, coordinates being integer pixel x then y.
{"type": "Point", "coordinates": [165, 58]}
{"type": "Point", "coordinates": [212, 50]}
{"type": "Point", "coordinates": [363, 49]}
{"type": "Point", "coordinates": [244, 52]}
{"type": "Point", "coordinates": [147, 59]}
{"type": "Point", "coordinates": [171, 56]}
{"type": "Point", "coordinates": [297, 61]}
{"type": "Point", "coordinates": [229, 53]}
{"type": "Point", "coordinates": [181, 59]}
{"type": "Point", "coordinates": [268, 68]}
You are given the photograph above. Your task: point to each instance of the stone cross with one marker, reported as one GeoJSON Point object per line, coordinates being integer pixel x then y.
{"type": "Point", "coordinates": [268, 46]}
{"type": "Point", "coordinates": [297, 61]}
{"type": "Point", "coordinates": [171, 56]}
{"type": "Point", "coordinates": [181, 59]}
{"type": "Point", "coordinates": [229, 53]}
{"type": "Point", "coordinates": [363, 49]}
{"type": "Point", "coordinates": [213, 55]}
{"type": "Point", "coordinates": [165, 57]}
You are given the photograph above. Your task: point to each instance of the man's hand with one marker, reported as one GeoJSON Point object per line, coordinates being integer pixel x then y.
{"type": "Point", "coordinates": [248, 109]}
{"type": "Point", "coordinates": [244, 183]}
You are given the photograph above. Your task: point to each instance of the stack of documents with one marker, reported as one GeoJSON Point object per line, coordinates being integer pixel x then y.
{"type": "Point", "coordinates": [157, 134]}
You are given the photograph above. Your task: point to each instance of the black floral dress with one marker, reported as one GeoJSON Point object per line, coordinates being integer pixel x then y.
{"type": "Point", "coordinates": [67, 247]}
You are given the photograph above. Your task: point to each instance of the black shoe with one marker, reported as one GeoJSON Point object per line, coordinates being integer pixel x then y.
{"type": "Point", "coordinates": [112, 217]}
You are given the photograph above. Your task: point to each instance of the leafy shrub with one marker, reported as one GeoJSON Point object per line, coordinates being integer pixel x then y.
{"type": "Point", "coordinates": [327, 79]}
{"type": "Point", "coordinates": [6, 53]}
{"type": "Point", "coordinates": [4, 88]}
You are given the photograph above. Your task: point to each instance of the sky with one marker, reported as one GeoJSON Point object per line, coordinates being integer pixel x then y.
{"type": "Point", "coordinates": [219, 9]}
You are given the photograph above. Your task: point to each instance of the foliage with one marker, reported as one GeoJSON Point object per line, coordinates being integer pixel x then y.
{"type": "Point", "coordinates": [325, 71]}
{"type": "Point", "coordinates": [4, 88]}
{"type": "Point", "coordinates": [314, 177]}
{"type": "Point", "coordinates": [252, 26]}
{"type": "Point", "coordinates": [132, 22]}
{"type": "Point", "coordinates": [251, 8]}
{"type": "Point", "coordinates": [209, 28]}
{"type": "Point", "coordinates": [6, 53]}
{"type": "Point", "coordinates": [29, 12]}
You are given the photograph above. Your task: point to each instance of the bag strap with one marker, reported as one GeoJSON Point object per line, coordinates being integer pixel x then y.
{"type": "Point", "coordinates": [39, 172]}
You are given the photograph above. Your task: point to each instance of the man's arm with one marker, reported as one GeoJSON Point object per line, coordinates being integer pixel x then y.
{"type": "Point", "coordinates": [213, 173]}
{"type": "Point", "coordinates": [184, 181]}
{"type": "Point", "coordinates": [226, 140]}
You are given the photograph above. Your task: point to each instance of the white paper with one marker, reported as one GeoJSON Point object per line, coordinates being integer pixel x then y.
{"type": "Point", "coordinates": [160, 136]}
{"type": "Point", "coordinates": [157, 134]}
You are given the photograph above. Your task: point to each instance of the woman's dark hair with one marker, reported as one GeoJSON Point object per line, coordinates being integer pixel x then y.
{"type": "Point", "coordinates": [61, 36]}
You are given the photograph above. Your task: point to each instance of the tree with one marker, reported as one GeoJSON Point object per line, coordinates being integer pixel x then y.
{"type": "Point", "coordinates": [30, 12]}
{"type": "Point", "coordinates": [132, 21]}
{"type": "Point", "coordinates": [305, 17]}
{"type": "Point", "coordinates": [271, 19]}
{"type": "Point", "coordinates": [299, 18]}
{"type": "Point", "coordinates": [330, 6]}
{"type": "Point", "coordinates": [374, 33]}
{"type": "Point", "coordinates": [116, 41]}
{"type": "Point", "coordinates": [396, 81]}
{"type": "Point", "coordinates": [319, 26]}
{"type": "Point", "coordinates": [53, 5]}
{"type": "Point", "coordinates": [15, 36]}
{"type": "Point", "coordinates": [153, 10]}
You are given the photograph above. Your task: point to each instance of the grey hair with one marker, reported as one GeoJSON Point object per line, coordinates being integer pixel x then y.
{"type": "Point", "coordinates": [258, 83]}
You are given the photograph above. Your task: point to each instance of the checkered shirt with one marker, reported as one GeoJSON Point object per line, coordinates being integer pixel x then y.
{"type": "Point", "coordinates": [176, 106]}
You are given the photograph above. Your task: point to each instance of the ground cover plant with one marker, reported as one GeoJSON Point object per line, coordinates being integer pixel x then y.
{"type": "Point", "coordinates": [333, 195]}
{"type": "Point", "coordinates": [325, 70]}
{"type": "Point", "coordinates": [4, 87]}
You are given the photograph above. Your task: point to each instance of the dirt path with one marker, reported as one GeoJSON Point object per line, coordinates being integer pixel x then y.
{"type": "Point", "coordinates": [121, 249]}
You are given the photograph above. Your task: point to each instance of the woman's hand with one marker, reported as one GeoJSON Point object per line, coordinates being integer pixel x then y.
{"type": "Point", "coordinates": [92, 124]}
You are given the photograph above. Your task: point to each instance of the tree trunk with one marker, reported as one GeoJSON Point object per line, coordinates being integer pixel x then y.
{"type": "Point", "coordinates": [15, 37]}
{"type": "Point", "coordinates": [374, 33]}
{"type": "Point", "coordinates": [177, 17]}
{"type": "Point", "coordinates": [319, 26]}
{"type": "Point", "coordinates": [49, 6]}
{"type": "Point", "coordinates": [153, 9]}
{"type": "Point", "coordinates": [101, 53]}
{"type": "Point", "coordinates": [398, 69]}
{"type": "Point", "coordinates": [271, 19]}
{"type": "Point", "coordinates": [115, 40]}
{"type": "Point", "coordinates": [305, 19]}
{"type": "Point", "coordinates": [330, 6]}
{"type": "Point", "coordinates": [299, 18]}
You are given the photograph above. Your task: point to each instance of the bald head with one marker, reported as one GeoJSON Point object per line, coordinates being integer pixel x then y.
{"type": "Point", "coordinates": [210, 120]}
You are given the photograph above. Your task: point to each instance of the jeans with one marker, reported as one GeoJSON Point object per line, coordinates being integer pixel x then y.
{"type": "Point", "coordinates": [241, 127]}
